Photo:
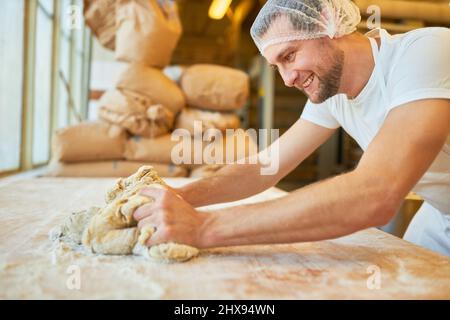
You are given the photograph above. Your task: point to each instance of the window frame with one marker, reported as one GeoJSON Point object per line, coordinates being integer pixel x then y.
{"type": "Point", "coordinates": [31, 8]}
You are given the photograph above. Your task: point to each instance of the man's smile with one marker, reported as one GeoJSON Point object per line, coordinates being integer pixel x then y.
{"type": "Point", "coordinates": [308, 81]}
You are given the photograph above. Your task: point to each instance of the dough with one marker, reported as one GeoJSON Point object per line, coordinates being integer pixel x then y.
{"type": "Point", "coordinates": [74, 225]}
{"type": "Point", "coordinates": [113, 230]}
{"type": "Point", "coordinates": [165, 251]}
{"type": "Point", "coordinates": [145, 175]}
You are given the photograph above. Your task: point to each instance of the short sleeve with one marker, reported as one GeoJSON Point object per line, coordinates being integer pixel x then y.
{"type": "Point", "coordinates": [422, 70]}
{"type": "Point", "coordinates": [320, 115]}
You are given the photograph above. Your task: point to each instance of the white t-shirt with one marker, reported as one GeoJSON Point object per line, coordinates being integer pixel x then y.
{"type": "Point", "coordinates": [408, 67]}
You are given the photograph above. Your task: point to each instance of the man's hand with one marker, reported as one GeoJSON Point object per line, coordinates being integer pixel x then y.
{"type": "Point", "coordinates": [175, 220]}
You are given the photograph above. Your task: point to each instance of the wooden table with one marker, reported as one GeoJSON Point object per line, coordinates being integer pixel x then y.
{"type": "Point", "coordinates": [370, 264]}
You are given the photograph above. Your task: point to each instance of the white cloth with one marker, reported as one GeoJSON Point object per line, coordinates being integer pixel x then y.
{"type": "Point", "coordinates": [431, 229]}
{"type": "Point", "coordinates": [408, 67]}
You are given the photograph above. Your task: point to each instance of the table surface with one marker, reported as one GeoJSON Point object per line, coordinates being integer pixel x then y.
{"type": "Point", "coordinates": [369, 264]}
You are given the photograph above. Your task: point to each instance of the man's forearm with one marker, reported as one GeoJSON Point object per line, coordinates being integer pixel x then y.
{"type": "Point", "coordinates": [328, 209]}
{"type": "Point", "coordinates": [239, 181]}
{"type": "Point", "coordinates": [230, 183]}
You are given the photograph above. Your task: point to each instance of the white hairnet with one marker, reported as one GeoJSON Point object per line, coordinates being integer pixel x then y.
{"type": "Point", "coordinates": [309, 19]}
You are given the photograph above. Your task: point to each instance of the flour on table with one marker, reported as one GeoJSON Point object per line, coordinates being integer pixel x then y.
{"type": "Point", "coordinates": [112, 230]}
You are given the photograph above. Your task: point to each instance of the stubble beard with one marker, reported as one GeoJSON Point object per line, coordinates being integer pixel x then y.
{"type": "Point", "coordinates": [330, 78]}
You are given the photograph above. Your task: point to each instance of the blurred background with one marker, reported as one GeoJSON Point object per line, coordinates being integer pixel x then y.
{"type": "Point", "coordinates": [58, 59]}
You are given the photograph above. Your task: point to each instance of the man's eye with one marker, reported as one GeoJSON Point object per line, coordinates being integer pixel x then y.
{"type": "Point", "coordinates": [274, 67]}
{"type": "Point", "coordinates": [290, 57]}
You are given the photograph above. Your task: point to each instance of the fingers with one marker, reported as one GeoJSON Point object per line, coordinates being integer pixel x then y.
{"type": "Point", "coordinates": [153, 192]}
{"type": "Point", "coordinates": [160, 236]}
{"type": "Point", "coordinates": [160, 213]}
{"type": "Point", "coordinates": [157, 194]}
{"type": "Point", "coordinates": [151, 220]}
{"type": "Point", "coordinates": [143, 211]}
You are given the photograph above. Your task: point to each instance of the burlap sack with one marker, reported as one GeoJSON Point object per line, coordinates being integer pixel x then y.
{"type": "Point", "coordinates": [110, 169]}
{"type": "Point", "coordinates": [160, 150]}
{"type": "Point", "coordinates": [100, 16]}
{"type": "Point", "coordinates": [215, 87]}
{"type": "Point", "coordinates": [88, 141]}
{"type": "Point", "coordinates": [237, 145]}
{"type": "Point", "coordinates": [147, 32]}
{"type": "Point", "coordinates": [136, 113]}
{"type": "Point", "coordinates": [232, 146]}
{"type": "Point", "coordinates": [208, 119]}
{"type": "Point", "coordinates": [152, 150]}
{"type": "Point", "coordinates": [154, 84]}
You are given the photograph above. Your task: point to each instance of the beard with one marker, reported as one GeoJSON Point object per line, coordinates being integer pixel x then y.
{"type": "Point", "coordinates": [330, 82]}
{"type": "Point", "coordinates": [329, 77]}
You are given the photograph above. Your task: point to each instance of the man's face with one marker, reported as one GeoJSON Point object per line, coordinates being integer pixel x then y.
{"type": "Point", "coordinates": [312, 66]}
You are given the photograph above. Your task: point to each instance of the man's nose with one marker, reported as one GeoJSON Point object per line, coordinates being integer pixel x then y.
{"type": "Point", "coordinates": [289, 78]}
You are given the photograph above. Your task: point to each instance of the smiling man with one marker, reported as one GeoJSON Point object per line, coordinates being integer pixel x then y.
{"type": "Point", "coordinates": [390, 93]}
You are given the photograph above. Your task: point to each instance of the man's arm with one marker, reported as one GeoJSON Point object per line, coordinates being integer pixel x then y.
{"type": "Point", "coordinates": [400, 154]}
{"type": "Point", "coordinates": [239, 181]}
{"type": "Point", "coordinates": [404, 148]}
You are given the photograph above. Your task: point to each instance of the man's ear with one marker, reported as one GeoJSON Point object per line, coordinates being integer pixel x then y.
{"type": "Point", "coordinates": [326, 42]}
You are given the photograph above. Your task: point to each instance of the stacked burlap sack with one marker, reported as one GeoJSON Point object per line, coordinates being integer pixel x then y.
{"type": "Point", "coordinates": [149, 106]}
{"type": "Point", "coordinates": [143, 103]}
{"type": "Point", "coordinates": [138, 115]}
{"type": "Point", "coordinates": [131, 133]}
{"type": "Point", "coordinates": [96, 149]}
{"type": "Point", "coordinates": [142, 31]}
{"type": "Point", "coordinates": [213, 95]}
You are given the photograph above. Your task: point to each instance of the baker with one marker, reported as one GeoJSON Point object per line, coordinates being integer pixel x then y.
{"type": "Point", "coordinates": [390, 93]}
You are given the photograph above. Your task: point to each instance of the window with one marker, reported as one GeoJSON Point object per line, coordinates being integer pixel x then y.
{"type": "Point", "coordinates": [74, 62]}
{"type": "Point", "coordinates": [64, 66]}
{"type": "Point", "coordinates": [33, 98]}
{"type": "Point", "coordinates": [11, 81]}
{"type": "Point", "coordinates": [43, 83]}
